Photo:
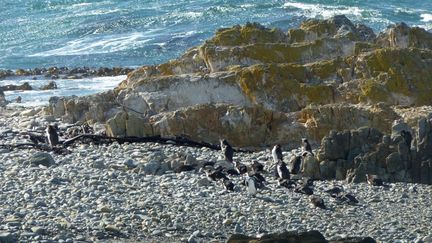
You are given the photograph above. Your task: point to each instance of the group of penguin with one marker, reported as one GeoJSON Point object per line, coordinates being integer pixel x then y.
{"type": "Point", "coordinates": [254, 180]}
{"type": "Point", "coordinates": [252, 176]}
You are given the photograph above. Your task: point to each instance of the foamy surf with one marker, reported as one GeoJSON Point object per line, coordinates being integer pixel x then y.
{"type": "Point", "coordinates": [66, 87]}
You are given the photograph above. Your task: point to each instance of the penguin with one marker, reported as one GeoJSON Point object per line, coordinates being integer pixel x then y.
{"type": "Point", "coordinates": [277, 153]}
{"type": "Point", "coordinates": [259, 180]}
{"type": "Point", "coordinates": [317, 202]}
{"type": "Point", "coordinates": [374, 180]}
{"type": "Point", "coordinates": [296, 165]}
{"type": "Point", "coordinates": [282, 170]}
{"type": "Point", "coordinates": [303, 189]}
{"type": "Point", "coordinates": [350, 199]}
{"type": "Point", "coordinates": [228, 185]}
{"type": "Point", "coordinates": [241, 168]}
{"type": "Point", "coordinates": [52, 135]}
{"type": "Point", "coordinates": [306, 146]}
{"type": "Point", "coordinates": [286, 183]}
{"type": "Point", "coordinates": [227, 150]}
{"type": "Point", "coordinates": [250, 185]}
{"type": "Point", "coordinates": [232, 172]}
{"type": "Point", "coordinates": [182, 168]}
{"type": "Point", "coordinates": [335, 191]}
{"type": "Point", "coordinates": [257, 167]}
{"type": "Point", "coordinates": [215, 174]}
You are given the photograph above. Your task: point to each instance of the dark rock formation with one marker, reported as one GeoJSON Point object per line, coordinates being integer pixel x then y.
{"type": "Point", "coordinates": [49, 86]}
{"type": "Point", "coordinates": [11, 87]}
{"type": "Point", "coordinates": [352, 154]}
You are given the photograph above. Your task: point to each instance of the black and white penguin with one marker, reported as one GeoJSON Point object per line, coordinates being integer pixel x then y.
{"type": "Point", "coordinates": [257, 167]}
{"type": "Point", "coordinates": [374, 180]}
{"type": "Point", "coordinates": [277, 153]}
{"type": "Point", "coordinates": [215, 174]}
{"type": "Point", "coordinates": [296, 165]}
{"type": "Point", "coordinates": [259, 180]}
{"type": "Point", "coordinates": [241, 168]}
{"type": "Point", "coordinates": [52, 135]}
{"type": "Point", "coordinates": [306, 146]}
{"type": "Point", "coordinates": [349, 198]}
{"type": "Point", "coordinates": [250, 184]}
{"type": "Point", "coordinates": [282, 170]}
{"type": "Point", "coordinates": [182, 168]}
{"type": "Point", "coordinates": [287, 183]}
{"type": "Point", "coordinates": [232, 172]}
{"type": "Point", "coordinates": [303, 189]}
{"type": "Point", "coordinates": [227, 150]}
{"type": "Point", "coordinates": [335, 191]}
{"type": "Point", "coordinates": [228, 185]}
{"type": "Point", "coordinates": [317, 202]}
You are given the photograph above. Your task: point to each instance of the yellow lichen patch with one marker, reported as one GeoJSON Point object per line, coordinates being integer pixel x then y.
{"type": "Point", "coordinates": [374, 91]}
{"type": "Point", "coordinates": [165, 69]}
{"type": "Point", "coordinates": [328, 68]}
{"type": "Point", "coordinates": [401, 71]}
{"type": "Point", "coordinates": [248, 34]}
{"type": "Point", "coordinates": [296, 35]}
{"type": "Point", "coordinates": [285, 82]}
{"type": "Point", "coordinates": [318, 26]}
{"type": "Point", "coordinates": [318, 94]}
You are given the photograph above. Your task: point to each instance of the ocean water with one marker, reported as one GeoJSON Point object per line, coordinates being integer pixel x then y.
{"type": "Point", "coordinates": [108, 33]}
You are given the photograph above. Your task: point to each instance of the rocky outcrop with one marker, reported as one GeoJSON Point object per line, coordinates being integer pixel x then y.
{"type": "Point", "coordinates": [12, 87]}
{"type": "Point", "coordinates": [65, 72]}
{"type": "Point", "coordinates": [405, 155]}
{"type": "Point", "coordinates": [49, 86]}
{"type": "Point", "coordinates": [3, 101]}
{"type": "Point", "coordinates": [258, 86]}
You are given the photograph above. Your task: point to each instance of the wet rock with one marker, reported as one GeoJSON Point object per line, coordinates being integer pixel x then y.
{"type": "Point", "coordinates": [12, 87]}
{"type": "Point", "coordinates": [51, 85]}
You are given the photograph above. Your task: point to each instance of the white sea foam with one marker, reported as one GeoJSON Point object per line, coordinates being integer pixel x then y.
{"type": "Point", "coordinates": [98, 45]}
{"type": "Point", "coordinates": [327, 11]}
{"type": "Point", "coordinates": [66, 87]}
{"type": "Point", "coordinates": [426, 17]}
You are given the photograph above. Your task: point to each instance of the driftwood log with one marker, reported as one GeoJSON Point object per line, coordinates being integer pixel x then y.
{"type": "Point", "coordinates": [40, 143]}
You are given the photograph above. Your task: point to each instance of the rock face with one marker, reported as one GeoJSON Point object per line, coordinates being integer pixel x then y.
{"type": "Point", "coordinates": [403, 156]}
{"type": "Point", "coordinates": [257, 86]}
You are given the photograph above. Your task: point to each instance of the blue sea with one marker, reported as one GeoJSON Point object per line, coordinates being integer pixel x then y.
{"type": "Point", "coordinates": [43, 33]}
{"type": "Point", "coordinates": [132, 33]}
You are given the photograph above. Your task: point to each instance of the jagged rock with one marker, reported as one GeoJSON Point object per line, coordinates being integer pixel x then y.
{"type": "Point", "coordinates": [11, 87]}
{"type": "Point", "coordinates": [41, 158]}
{"type": "Point", "coordinates": [338, 26]}
{"type": "Point", "coordinates": [311, 167]}
{"type": "Point", "coordinates": [394, 163]}
{"type": "Point", "coordinates": [3, 101]}
{"type": "Point", "coordinates": [402, 36]}
{"type": "Point", "coordinates": [49, 86]}
{"type": "Point", "coordinates": [308, 236]}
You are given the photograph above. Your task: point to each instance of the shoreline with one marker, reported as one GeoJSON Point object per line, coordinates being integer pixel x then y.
{"type": "Point", "coordinates": [101, 192]}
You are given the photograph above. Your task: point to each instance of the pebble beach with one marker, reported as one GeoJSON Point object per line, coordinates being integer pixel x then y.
{"type": "Point", "coordinates": [113, 192]}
